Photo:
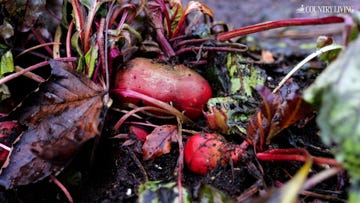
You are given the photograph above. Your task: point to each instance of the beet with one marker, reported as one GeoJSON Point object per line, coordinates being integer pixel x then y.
{"type": "Point", "coordinates": [187, 90]}
{"type": "Point", "coordinates": [204, 151]}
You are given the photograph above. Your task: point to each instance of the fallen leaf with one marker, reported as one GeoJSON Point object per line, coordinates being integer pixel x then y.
{"type": "Point", "coordinates": [266, 56]}
{"type": "Point", "coordinates": [158, 142]}
{"type": "Point", "coordinates": [63, 114]}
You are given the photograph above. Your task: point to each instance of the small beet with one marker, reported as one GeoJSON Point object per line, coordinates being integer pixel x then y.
{"type": "Point", "coordinates": [187, 90]}
{"type": "Point", "coordinates": [204, 151]}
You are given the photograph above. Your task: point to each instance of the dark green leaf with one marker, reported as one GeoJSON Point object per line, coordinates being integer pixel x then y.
{"type": "Point", "coordinates": [157, 192]}
{"type": "Point", "coordinates": [208, 194]}
{"type": "Point", "coordinates": [337, 92]}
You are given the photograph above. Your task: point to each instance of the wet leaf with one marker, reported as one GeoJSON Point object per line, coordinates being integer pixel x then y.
{"type": "Point", "coordinates": [158, 142]}
{"type": "Point", "coordinates": [63, 114]}
{"type": "Point", "coordinates": [291, 111]}
{"type": "Point", "coordinates": [26, 12]}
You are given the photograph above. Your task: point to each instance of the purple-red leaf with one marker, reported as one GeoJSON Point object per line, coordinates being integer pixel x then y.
{"type": "Point", "coordinates": [274, 115]}
{"type": "Point", "coordinates": [61, 115]}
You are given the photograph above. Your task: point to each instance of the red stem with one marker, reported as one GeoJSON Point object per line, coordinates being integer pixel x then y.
{"type": "Point", "coordinates": [42, 41]}
{"type": "Point", "coordinates": [31, 68]}
{"type": "Point", "coordinates": [122, 20]}
{"type": "Point", "coordinates": [180, 160]}
{"type": "Point", "coordinates": [79, 17]}
{"type": "Point", "coordinates": [190, 41]}
{"type": "Point", "coordinates": [62, 188]}
{"type": "Point", "coordinates": [68, 42]}
{"type": "Point", "coordinates": [169, 51]}
{"type": "Point", "coordinates": [137, 95]}
{"type": "Point", "coordinates": [204, 48]}
{"type": "Point", "coordinates": [293, 155]}
{"type": "Point", "coordinates": [277, 24]}
{"type": "Point", "coordinates": [68, 39]}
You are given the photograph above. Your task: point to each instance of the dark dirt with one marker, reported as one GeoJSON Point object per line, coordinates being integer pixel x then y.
{"type": "Point", "coordinates": [114, 173]}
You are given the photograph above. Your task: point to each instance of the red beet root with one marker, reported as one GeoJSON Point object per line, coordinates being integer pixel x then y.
{"type": "Point", "coordinates": [187, 90]}
{"type": "Point", "coordinates": [204, 151]}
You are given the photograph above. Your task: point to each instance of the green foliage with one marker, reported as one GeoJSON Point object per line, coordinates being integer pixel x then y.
{"type": "Point", "coordinates": [209, 194]}
{"type": "Point", "coordinates": [156, 192]}
{"type": "Point", "coordinates": [337, 92]}
{"type": "Point", "coordinates": [328, 56]}
{"type": "Point", "coordinates": [6, 64]}
{"type": "Point", "coordinates": [243, 78]}
{"type": "Point", "coordinates": [231, 113]}
{"type": "Point", "coordinates": [90, 59]}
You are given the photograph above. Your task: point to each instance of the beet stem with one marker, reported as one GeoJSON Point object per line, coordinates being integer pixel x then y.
{"type": "Point", "coordinates": [293, 155]}
{"type": "Point", "coordinates": [277, 24]}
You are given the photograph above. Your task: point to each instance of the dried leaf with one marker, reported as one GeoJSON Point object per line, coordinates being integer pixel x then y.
{"type": "Point", "coordinates": [291, 111]}
{"type": "Point", "coordinates": [191, 7]}
{"type": "Point", "coordinates": [266, 56]}
{"type": "Point", "coordinates": [158, 142]}
{"type": "Point", "coordinates": [61, 115]}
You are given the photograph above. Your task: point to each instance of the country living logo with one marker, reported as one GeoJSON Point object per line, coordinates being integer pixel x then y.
{"type": "Point", "coordinates": [324, 9]}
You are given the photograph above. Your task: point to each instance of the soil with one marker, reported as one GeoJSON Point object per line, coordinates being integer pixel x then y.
{"type": "Point", "coordinates": [115, 171]}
